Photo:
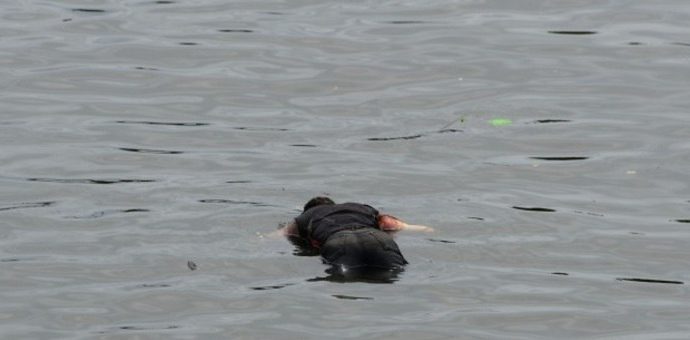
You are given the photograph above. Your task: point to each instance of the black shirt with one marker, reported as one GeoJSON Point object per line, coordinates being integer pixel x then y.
{"type": "Point", "coordinates": [320, 222]}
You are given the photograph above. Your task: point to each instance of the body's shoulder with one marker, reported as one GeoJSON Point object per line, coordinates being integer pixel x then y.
{"type": "Point", "coordinates": [358, 206]}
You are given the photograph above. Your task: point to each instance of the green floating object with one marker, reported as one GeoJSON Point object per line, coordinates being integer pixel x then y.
{"type": "Point", "coordinates": [500, 122]}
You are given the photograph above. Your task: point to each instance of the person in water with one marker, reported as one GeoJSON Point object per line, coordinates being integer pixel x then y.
{"type": "Point", "coordinates": [349, 235]}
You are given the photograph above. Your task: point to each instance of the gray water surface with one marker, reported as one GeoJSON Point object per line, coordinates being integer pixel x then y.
{"type": "Point", "coordinates": [546, 141]}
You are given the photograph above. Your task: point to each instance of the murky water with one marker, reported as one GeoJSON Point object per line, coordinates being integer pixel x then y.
{"type": "Point", "coordinates": [146, 148]}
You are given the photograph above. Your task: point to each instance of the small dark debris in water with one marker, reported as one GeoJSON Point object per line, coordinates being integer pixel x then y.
{"type": "Point", "coordinates": [11, 259]}
{"type": "Point", "coordinates": [350, 297]}
{"type": "Point", "coordinates": [574, 32]}
{"type": "Point", "coordinates": [537, 209]}
{"type": "Point", "coordinates": [142, 68]}
{"type": "Point", "coordinates": [635, 233]}
{"type": "Point", "coordinates": [161, 123]}
{"type": "Point", "coordinates": [394, 138]}
{"type": "Point", "coordinates": [188, 43]}
{"type": "Point", "coordinates": [683, 220]}
{"type": "Point", "coordinates": [681, 44]}
{"type": "Point", "coordinates": [560, 159]}
{"type": "Point", "coordinates": [273, 13]}
{"type": "Point", "coordinates": [271, 287]}
{"type": "Point", "coordinates": [304, 145]}
{"type": "Point", "coordinates": [191, 265]}
{"type": "Point", "coordinates": [88, 181]}
{"type": "Point", "coordinates": [405, 22]}
{"type": "Point", "coordinates": [440, 240]}
{"type": "Point", "coordinates": [164, 2]}
{"type": "Point", "coordinates": [154, 151]}
{"type": "Point", "coordinates": [650, 280]}
{"type": "Point", "coordinates": [560, 273]}
{"type": "Point", "coordinates": [549, 121]}
{"type": "Point", "coordinates": [67, 20]}
{"type": "Point", "coordinates": [88, 10]}
{"type": "Point", "coordinates": [635, 43]}
{"type": "Point", "coordinates": [235, 31]}
{"type": "Point", "coordinates": [28, 205]}
{"type": "Point", "coordinates": [475, 218]}
{"type": "Point", "coordinates": [238, 182]}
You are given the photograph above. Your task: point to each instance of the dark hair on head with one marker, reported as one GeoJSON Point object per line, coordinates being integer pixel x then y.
{"type": "Point", "coordinates": [319, 200]}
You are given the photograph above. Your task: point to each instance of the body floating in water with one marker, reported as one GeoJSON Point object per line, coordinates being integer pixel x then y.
{"type": "Point", "coordinates": [349, 236]}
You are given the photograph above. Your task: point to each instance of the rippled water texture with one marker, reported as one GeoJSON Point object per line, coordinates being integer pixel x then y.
{"type": "Point", "coordinates": [148, 147]}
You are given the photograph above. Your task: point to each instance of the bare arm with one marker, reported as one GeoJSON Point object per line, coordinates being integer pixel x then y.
{"type": "Point", "coordinates": [392, 223]}
{"type": "Point", "coordinates": [288, 229]}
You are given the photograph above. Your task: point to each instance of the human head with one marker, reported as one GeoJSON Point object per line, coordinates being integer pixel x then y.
{"type": "Point", "coordinates": [319, 200]}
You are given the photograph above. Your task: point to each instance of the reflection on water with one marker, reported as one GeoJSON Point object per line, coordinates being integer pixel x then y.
{"type": "Point", "coordinates": [363, 274]}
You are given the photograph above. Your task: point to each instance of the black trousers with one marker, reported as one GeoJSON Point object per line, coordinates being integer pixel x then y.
{"type": "Point", "coordinates": [362, 248]}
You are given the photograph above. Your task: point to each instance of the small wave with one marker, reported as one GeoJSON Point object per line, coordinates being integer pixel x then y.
{"type": "Point", "coordinates": [224, 201]}
{"type": "Point", "coordinates": [574, 32]}
{"type": "Point", "coordinates": [405, 22]}
{"type": "Point", "coordinates": [88, 10]}
{"type": "Point", "coordinates": [235, 31]}
{"type": "Point", "coordinates": [102, 213]}
{"type": "Point", "coordinates": [27, 205]}
{"type": "Point", "coordinates": [161, 123]}
{"type": "Point", "coordinates": [351, 297]}
{"type": "Point", "coordinates": [438, 240]}
{"type": "Point", "coordinates": [153, 151]}
{"type": "Point", "coordinates": [632, 279]}
{"type": "Point", "coordinates": [420, 135]}
{"type": "Point", "coordinates": [271, 287]}
{"type": "Point", "coordinates": [536, 209]}
{"type": "Point", "coordinates": [87, 180]}
{"type": "Point", "coordinates": [551, 121]}
{"type": "Point", "coordinates": [560, 158]}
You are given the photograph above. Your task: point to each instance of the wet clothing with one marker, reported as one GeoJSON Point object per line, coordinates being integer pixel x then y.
{"type": "Point", "coordinates": [348, 234]}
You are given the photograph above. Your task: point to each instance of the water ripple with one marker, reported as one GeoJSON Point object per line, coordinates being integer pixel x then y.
{"type": "Point", "coordinates": [87, 180]}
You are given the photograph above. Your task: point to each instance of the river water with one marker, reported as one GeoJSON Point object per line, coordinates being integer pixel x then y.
{"type": "Point", "coordinates": [148, 148]}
